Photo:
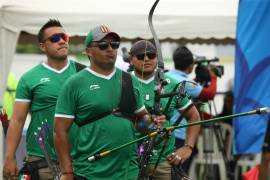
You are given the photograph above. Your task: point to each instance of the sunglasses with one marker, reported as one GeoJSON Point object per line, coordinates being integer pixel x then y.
{"type": "Point", "coordinates": [102, 45]}
{"type": "Point", "coordinates": [140, 57]}
{"type": "Point", "coordinates": [57, 37]}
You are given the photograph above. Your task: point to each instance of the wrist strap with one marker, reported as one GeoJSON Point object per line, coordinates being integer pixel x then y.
{"type": "Point", "coordinates": [189, 146]}
{"type": "Point", "coordinates": [68, 172]}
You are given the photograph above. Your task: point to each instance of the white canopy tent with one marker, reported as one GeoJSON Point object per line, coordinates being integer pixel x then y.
{"type": "Point", "coordinates": [172, 19]}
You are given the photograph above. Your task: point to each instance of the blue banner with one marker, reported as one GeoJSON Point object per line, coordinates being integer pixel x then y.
{"type": "Point", "coordinates": [252, 74]}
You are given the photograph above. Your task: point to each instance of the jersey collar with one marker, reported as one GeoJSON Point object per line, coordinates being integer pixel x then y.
{"type": "Point", "coordinates": [101, 75]}
{"type": "Point", "coordinates": [143, 80]}
{"type": "Point", "coordinates": [55, 70]}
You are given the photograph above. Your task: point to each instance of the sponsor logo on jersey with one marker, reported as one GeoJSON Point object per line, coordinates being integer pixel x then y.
{"type": "Point", "coordinates": [94, 86]}
{"type": "Point", "coordinates": [43, 80]}
{"type": "Point", "coordinates": [168, 81]}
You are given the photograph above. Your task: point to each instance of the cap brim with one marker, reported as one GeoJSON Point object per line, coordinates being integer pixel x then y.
{"type": "Point", "coordinates": [142, 51]}
{"type": "Point", "coordinates": [114, 34]}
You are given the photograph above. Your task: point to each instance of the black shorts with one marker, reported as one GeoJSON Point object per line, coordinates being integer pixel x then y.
{"type": "Point", "coordinates": [266, 144]}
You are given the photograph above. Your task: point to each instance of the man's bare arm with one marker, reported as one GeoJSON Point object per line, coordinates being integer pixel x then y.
{"type": "Point", "coordinates": [192, 133]}
{"type": "Point", "coordinates": [14, 134]}
{"type": "Point", "coordinates": [192, 115]}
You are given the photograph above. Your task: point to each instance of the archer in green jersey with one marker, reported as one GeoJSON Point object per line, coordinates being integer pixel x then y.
{"type": "Point", "coordinates": [143, 57]}
{"type": "Point", "coordinates": [89, 99]}
{"type": "Point", "coordinates": [37, 94]}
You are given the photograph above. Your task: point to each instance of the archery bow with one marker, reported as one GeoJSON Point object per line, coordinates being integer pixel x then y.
{"type": "Point", "coordinates": [40, 139]}
{"type": "Point", "coordinates": [159, 83]}
{"type": "Point", "coordinates": [147, 148]}
{"type": "Point", "coordinates": [159, 74]}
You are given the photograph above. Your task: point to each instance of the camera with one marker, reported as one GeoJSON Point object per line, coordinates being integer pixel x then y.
{"type": "Point", "coordinates": [203, 66]}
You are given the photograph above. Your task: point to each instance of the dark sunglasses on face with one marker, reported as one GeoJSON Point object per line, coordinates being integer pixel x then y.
{"type": "Point", "coordinates": [57, 37]}
{"type": "Point", "coordinates": [102, 45]}
{"type": "Point", "coordinates": [140, 57]}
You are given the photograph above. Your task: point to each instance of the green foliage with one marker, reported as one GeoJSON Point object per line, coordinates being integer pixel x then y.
{"type": "Point", "coordinates": [76, 51]}
{"type": "Point", "coordinates": [27, 48]}
{"type": "Point", "coordinates": [81, 57]}
{"type": "Point", "coordinates": [167, 59]}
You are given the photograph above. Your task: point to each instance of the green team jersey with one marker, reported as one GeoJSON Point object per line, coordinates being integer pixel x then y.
{"type": "Point", "coordinates": [147, 90]}
{"type": "Point", "coordinates": [41, 86]}
{"type": "Point", "coordinates": [88, 94]}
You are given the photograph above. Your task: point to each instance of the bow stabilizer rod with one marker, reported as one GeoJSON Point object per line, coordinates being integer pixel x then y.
{"type": "Point", "coordinates": [172, 128]}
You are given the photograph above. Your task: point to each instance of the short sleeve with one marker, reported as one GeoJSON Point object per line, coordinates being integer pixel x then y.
{"type": "Point", "coordinates": [193, 89]}
{"type": "Point", "coordinates": [138, 95]}
{"type": "Point", "coordinates": [23, 91]}
{"type": "Point", "coordinates": [66, 102]}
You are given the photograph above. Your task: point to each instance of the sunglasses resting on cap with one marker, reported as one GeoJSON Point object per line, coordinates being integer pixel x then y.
{"type": "Point", "coordinates": [55, 38]}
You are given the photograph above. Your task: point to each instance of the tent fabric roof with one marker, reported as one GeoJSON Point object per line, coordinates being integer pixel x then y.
{"type": "Point", "coordinates": [172, 18]}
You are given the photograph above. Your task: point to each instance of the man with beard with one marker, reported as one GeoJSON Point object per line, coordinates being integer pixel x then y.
{"type": "Point", "coordinates": [37, 94]}
{"type": "Point", "coordinates": [93, 100]}
{"type": "Point", "coordinates": [143, 58]}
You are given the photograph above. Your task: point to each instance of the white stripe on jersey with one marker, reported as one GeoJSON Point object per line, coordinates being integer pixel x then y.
{"type": "Point", "coordinates": [23, 100]}
{"type": "Point", "coordinates": [65, 116]}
